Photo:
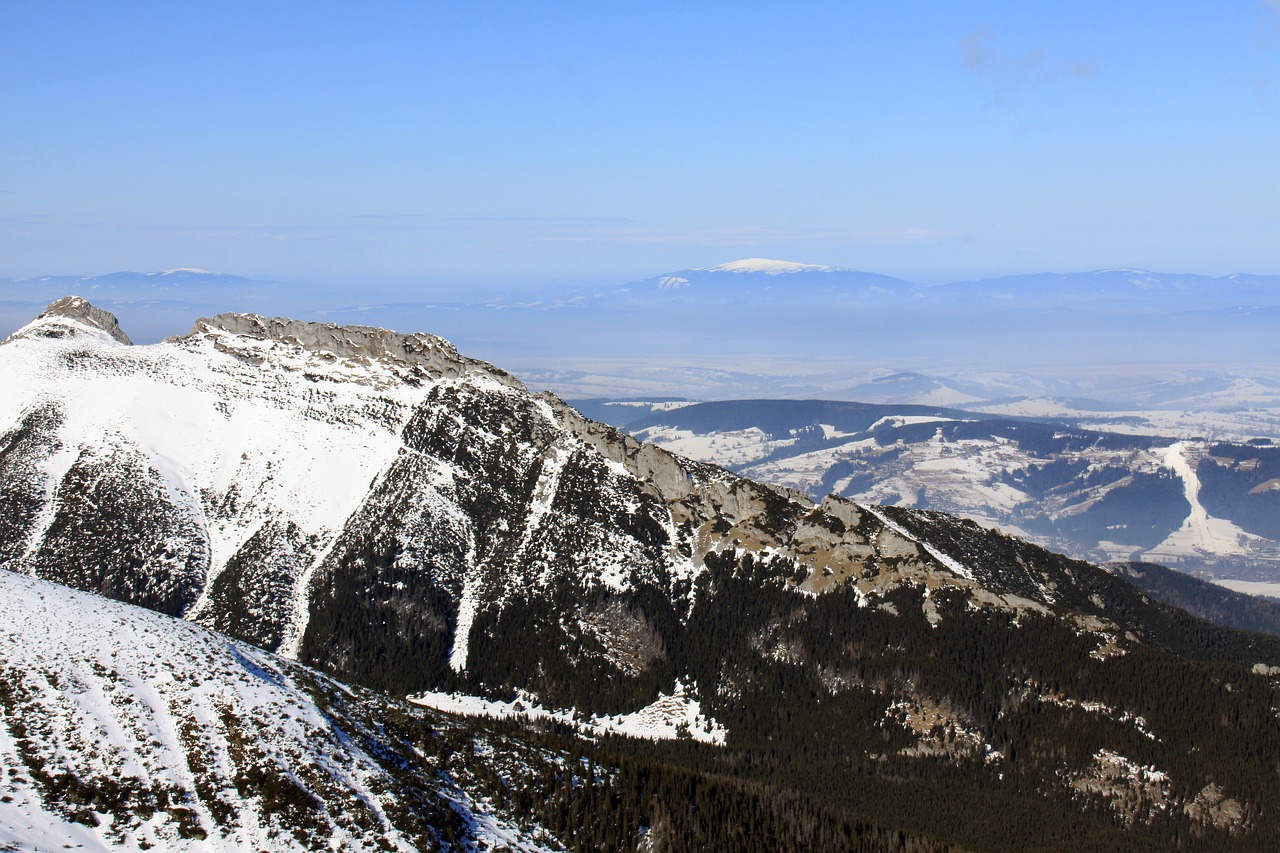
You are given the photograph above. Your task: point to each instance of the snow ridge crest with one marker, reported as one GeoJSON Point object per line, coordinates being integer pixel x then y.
{"type": "Point", "coordinates": [434, 354]}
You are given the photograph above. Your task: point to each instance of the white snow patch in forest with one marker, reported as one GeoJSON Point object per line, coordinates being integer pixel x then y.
{"type": "Point", "coordinates": [489, 831]}
{"type": "Point", "coordinates": [467, 608]}
{"type": "Point", "coordinates": [728, 448]}
{"type": "Point", "coordinates": [1141, 773]}
{"type": "Point", "coordinates": [544, 491]}
{"type": "Point", "coordinates": [907, 420]}
{"type": "Point", "coordinates": [54, 469]}
{"type": "Point", "coordinates": [669, 717]}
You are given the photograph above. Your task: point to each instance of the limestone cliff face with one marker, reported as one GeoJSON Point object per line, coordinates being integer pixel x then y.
{"type": "Point", "coordinates": [662, 472]}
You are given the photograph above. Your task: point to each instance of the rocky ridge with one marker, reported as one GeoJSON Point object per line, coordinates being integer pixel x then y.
{"type": "Point", "coordinates": [457, 439]}
{"type": "Point", "coordinates": [79, 310]}
{"type": "Point", "coordinates": [433, 356]}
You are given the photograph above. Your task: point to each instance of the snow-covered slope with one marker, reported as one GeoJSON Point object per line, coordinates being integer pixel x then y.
{"type": "Point", "coordinates": [215, 447]}
{"type": "Point", "coordinates": [125, 729]}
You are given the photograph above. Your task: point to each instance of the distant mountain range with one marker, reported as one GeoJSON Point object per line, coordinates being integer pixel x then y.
{"type": "Point", "coordinates": [155, 304]}
{"type": "Point", "coordinates": [1118, 288]}
{"type": "Point", "coordinates": [741, 286]}
{"type": "Point", "coordinates": [127, 284]}
{"type": "Point", "coordinates": [1111, 288]}
{"type": "Point", "coordinates": [1109, 340]}
{"type": "Point", "coordinates": [773, 328]}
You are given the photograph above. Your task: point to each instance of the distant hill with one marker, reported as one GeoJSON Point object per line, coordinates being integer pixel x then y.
{"type": "Point", "coordinates": [1117, 288]}
{"type": "Point", "coordinates": [1204, 599]}
{"type": "Point", "coordinates": [153, 305]}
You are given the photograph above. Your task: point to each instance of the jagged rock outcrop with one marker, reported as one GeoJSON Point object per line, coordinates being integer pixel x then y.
{"type": "Point", "coordinates": [79, 309]}
{"type": "Point", "coordinates": [427, 355]}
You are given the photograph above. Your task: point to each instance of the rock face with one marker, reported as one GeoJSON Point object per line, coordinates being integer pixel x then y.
{"type": "Point", "coordinates": [78, 309]}
{"type": "Point", "coordinates": [429, 354]}
{"type": "Point", "coordinates": [408, 519]}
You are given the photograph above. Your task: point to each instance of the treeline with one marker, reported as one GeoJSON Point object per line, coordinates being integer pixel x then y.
{"type": "Point", "coordinates": [619, 796]}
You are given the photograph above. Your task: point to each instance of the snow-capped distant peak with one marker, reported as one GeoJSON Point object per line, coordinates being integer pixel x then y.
{"type": "Point", "coordinates": [768, 267]}
{"type": "Point", "coordinates": [185, 271]}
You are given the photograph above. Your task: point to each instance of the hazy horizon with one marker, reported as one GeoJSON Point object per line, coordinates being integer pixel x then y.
{"type": "Point", "coordinates": [1113, 338]}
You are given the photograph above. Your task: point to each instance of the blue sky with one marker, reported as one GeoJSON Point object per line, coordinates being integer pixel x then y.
{"type": "Point", "coordinates": [525, 143]}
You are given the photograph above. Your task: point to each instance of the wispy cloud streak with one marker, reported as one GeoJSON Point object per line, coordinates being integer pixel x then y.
{"type": "Point", "coordinates": [1266, 38]}
{"type": "Point", "coordinates": [1011, 77]}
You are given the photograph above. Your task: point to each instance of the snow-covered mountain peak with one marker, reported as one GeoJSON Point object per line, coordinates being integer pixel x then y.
{"type": "Point", "coordinates": [73, 316]}
{"type": "Point", "coordinates": [768, 267]}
